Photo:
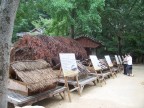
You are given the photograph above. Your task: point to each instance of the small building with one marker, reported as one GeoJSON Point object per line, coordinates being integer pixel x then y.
{"type": "Point", "coordinates": [32, 32]}
{"type": "Point", "coordinates": [89, 43]}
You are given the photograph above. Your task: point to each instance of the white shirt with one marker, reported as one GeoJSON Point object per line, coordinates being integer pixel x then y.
{"type": "Point", "coordinates": [125, 60]}
{"type": "Point", "coordinates": [129, 60]}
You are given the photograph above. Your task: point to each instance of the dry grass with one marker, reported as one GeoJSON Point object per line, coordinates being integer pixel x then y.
{"type": "Point", "coordinates": [36, 74]}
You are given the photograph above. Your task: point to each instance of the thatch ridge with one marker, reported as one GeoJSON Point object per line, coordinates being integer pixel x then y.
{"type": "Point", "coordinates": [28, 65]}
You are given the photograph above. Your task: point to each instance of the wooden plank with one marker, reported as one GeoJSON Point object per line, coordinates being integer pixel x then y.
{"type": "Point", "coordinates": [87, 81]}
{"type": "Point", "coordinates": [18, 86]}
{"type": "Point", "coordinates": [82, 82]}
{"type": "Point", "coordinates": [104, 74]}
{"type": "Point", "coordinates": [21, 100]}
{"type": "Point", "coordinates": [76, 88]}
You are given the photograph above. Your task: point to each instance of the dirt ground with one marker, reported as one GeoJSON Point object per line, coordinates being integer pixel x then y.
{"type": "Point", "coordinates": [120, 92]}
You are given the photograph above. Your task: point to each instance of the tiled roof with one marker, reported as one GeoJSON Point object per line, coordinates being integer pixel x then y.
{"type": "Point", "coordinates": [89, 37]}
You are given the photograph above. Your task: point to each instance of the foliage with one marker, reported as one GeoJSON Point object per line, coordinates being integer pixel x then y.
{"type": "Point", "coordinates": [59, 17]}
{"type": "Point", "coordinates": [122, 22]}
{"type": "Point", "coordinates": [27, 12]}
{"type": "Point", "coordinates": [87, 18]}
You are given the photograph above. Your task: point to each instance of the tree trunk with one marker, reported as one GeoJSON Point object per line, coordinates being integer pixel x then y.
{"type": "Point", "coordinates": [72, 31]}
{"type": "Point", "coordinates": [72, 25]}
{"type": "Point", "coordinates": [8, 10]}
{"type": "Point", "coordinates": [119, 37]}
{"type": "Point", "coordinates": [119, 45]}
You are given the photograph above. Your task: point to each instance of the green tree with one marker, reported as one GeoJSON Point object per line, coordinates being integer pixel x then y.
{"type": "Point", "coordinates": [73, 17]}
{"type": "Point", "coordinates": [122, 22]}
{"type": "Point", "coordinates": [28, 11]}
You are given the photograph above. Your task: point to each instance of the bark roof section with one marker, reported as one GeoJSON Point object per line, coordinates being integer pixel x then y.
{"type": "Point", "coordinates": [47, 48]}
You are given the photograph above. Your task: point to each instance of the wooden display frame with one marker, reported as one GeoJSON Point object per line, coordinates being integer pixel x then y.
{"type": "Point", "coordinates": [110, 65]}
{"type": "Point", "coordinates": [96, 66]}
{"type": "Point", "coordinates": [118, 63]}
{"type": "Point", "coordinates": [67, 61]}
{"type": "Point", "coordinates": [121, 62]}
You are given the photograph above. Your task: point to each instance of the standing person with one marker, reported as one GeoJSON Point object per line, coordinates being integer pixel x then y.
{"type": "Point", "coordinates": [129, 65]}
{"type": "Point", "coordinates": [125, 64]}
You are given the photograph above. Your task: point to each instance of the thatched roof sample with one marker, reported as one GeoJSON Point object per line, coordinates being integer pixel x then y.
{"type": "Point", "coordinates": [37, 75]}
{"type": "Point", "coordinates": [47, 48]}
{"type": "Point", "coordinates": [83, 71]}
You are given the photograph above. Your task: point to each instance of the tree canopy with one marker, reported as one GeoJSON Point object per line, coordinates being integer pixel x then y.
{"type": "Point", "coordinates": [117, 23]}
{"type": "Point", "coordinates": [60, 17]}
{"type": "Point", "coordinates": [123, 24]}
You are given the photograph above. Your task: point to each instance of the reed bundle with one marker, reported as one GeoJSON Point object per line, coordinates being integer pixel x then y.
{"type": "Point", "coordinates": [36, 74]}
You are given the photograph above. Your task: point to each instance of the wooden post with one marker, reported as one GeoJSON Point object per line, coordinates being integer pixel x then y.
{"type": "Point", "coordinates": [66, 84]}
{"type": "Point", "coordinates": [111, 72]}
{"type": "Point", "coordinates": [79, 91]}
{"type": "Point", "coordinates": [99, 80]}
{"type": "Point", "coordinates": [103, 77]}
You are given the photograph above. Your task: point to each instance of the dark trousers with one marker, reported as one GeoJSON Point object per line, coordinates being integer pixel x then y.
{"type": "Point", "coordinates": [125, 68]}
{"type": "Point", "coordinates": [129, 69]}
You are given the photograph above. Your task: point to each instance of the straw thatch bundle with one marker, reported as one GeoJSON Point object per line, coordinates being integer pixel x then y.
{"type": "Point", "coordinates": [103, 64]}
{"type": "Point", "coordinates": [47, 48]}
{"type": "Point", "coordinates": [37, 75]}
{"type": "Point", "coordinates": [83, 72]}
